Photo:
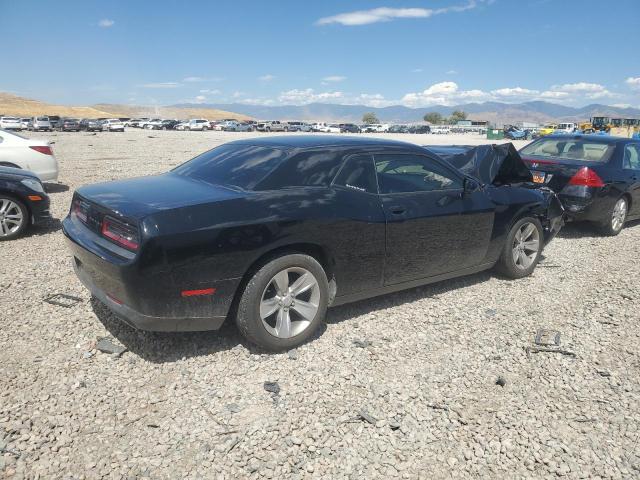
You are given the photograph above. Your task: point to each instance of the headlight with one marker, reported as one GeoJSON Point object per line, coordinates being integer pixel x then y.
{"type": "Point", "coordinates": [34, 185]}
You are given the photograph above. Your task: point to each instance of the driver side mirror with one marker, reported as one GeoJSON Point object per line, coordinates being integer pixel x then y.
{"type": "Point", "coordinates": [470, 185]}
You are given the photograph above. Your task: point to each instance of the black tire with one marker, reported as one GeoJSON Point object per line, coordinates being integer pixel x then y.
{"type": "Point", "coordinates": [506, 264]}
{"type": "Point", "coordinates": [607, 227]}
{"type": "Point", "coordinates": [247, 314]}
{"type": "Point", "coordinates": [26, 218]}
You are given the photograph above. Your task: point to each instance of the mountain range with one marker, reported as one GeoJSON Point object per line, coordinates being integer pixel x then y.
{"type": "Point", "coordinates": [494, 112]}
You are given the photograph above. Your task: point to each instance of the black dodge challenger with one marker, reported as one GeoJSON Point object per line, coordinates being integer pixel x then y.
{"type": "Point", "coordinates": [272, 231]}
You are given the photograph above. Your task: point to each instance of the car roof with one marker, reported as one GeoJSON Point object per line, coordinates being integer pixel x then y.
{"type": "Point", "coordinates": [609, 139]}
{"type": "Point", "coordinates": [311, 141]}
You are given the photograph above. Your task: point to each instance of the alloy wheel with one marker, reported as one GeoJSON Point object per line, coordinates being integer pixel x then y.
{"type": "Point", "coordinates": [526, 245]}
{"type": "Point", "coordinates": [290, 302]}
{"type": "Point", "coordinates": [11, 217]}
{"type": "Point", "coordinates": [619, 214]}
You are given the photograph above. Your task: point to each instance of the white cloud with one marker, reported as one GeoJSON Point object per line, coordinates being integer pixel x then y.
{"type": "Point", "coordinates": [161, 85]}
{"type": "Point", "coordinates": [386, 14]}
{"type": "Point", "coordinates": [200, 79]}
{"type": "Point", "coordinates": [451, 72]}
{"type": "Point", "coordinates": [266, 78]}
{"type": "Point", "coordinates": [515, 92]}
{"type": "Point", "coordinates": [552, 94]}
{"type": "Point", "coordinates": [417, 70]}
{"type": "Point", "coordinates": [334, 78]}
{"type": "Point", "coordinates": [210, 92]}
{"type": "Point", "coordinates": [591, 91]}
{"type": "Point", "coordinates": [633, 82]}
{"type": "Point", "coordinates": [302, 97]}
{"type": "Point", "coordinates": [443, 93]}
{"type": "Point", "coordinates": [106, 23]}
{"type": "Point", "coordinates": [200, 98]}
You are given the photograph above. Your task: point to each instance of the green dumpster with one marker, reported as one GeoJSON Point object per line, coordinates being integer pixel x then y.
{"type": "Point", "coordinates": [495, 134]}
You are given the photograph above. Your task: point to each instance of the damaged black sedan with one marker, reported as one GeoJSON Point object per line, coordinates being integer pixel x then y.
{"type": "Point", "coordinates": [270, 232]}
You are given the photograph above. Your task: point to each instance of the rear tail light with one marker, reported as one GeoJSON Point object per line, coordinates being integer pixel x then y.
{"type": "Point", "coordinates": [79, 210]}
{"type": "Point", "coordinates": [586, 177]}
{"type": "Point", "coordinates": [121, 233]}
{"type": "Point", "coordinates": [42, 149]}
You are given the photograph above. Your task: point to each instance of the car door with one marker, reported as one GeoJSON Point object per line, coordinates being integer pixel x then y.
{"type": "Point", "coordinates": [433, 227]}
{"type": "Point", "coordinates": [631, 167]}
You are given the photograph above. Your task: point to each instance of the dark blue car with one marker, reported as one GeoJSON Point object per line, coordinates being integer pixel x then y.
{"type": "Point", "coordinates": [596, 177]}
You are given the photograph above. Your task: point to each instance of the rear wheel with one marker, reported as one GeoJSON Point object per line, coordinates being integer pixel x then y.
{"type": "Point", "coordinates": [522, 250]}
{"type": "Point", "coordinates": [283, 303]}
{"type": "Point", "coordinates": [615, 221]}
{"type": "Point", "coordinates": [14, 218]}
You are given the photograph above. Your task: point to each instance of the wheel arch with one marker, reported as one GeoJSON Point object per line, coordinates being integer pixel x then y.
{"type": "Point", "coordinates": [321, 254]}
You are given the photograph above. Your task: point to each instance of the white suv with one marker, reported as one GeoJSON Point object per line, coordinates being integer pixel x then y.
{"type": "Point", "coordinates": [199, 125]}
{"type": "Point", "coordinates": [40, 123]}
{"type": "Point", "coordinates": [272, 126]}
{"type": "Point", "coordinates": [112, 125]}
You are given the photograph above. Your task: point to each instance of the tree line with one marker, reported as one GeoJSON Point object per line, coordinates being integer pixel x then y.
{"type": "Point", "coordinates": [432, 117]}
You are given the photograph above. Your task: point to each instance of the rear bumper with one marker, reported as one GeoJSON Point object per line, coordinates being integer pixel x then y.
{"type": "Point", "coordinates": [147, 322]}
{"type": "Point", "coordinates": [146, 297]}
{"type": "Point", "coordinates": [592, 205]}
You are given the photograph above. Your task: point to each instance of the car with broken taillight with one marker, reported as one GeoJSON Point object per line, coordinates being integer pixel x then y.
{"type": "Point", "coordinates": [270, 232]}
{"type": "Point", "coordinates": [596, 177]}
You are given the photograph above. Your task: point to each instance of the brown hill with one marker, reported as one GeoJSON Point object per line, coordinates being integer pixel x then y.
{"type": "Point", "coordinates": [25, 107]}
{"type": "Point", "coordinates": [168, 112]}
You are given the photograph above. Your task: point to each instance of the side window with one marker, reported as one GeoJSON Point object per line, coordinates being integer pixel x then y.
{"type": "Point", "coordinates": [400, 173]}
{"type": "Point", "coordinates": [358, 173]}
{"type": "Point", "coordinates": [313, 168]}
{"type": "Point", "coordinates": [632, 157]}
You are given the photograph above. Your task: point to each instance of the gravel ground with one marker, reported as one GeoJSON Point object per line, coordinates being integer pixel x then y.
{"type": "Point", "coordinates": [434, 382]}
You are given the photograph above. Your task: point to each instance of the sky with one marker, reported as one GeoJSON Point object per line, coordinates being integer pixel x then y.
{"type": "Point", "coordinates": [377, 53]}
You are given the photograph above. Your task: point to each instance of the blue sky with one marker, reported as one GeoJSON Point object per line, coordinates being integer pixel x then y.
{"type": "Point", "coordinates": [413, 52]}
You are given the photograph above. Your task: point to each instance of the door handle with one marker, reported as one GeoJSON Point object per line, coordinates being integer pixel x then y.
{"type": "Point", "coordinates": [397, 210]}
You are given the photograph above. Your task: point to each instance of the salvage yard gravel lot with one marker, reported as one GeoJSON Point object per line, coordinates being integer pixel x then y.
{"type": "Point", "coordinates": [434, 382]}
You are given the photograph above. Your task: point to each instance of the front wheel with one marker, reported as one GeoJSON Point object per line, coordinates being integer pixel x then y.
{"type": "Point", "coordinates": [283, 303]}
{"type": "Point", "coordinates": [14, 218]}
{"type": "Point", "coordinates": [522, 249]}
{"type": "Point", "coordinates": [612, 226]}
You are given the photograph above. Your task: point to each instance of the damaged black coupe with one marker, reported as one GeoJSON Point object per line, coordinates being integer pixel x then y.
{"type": "Point", "coordinates": [270, 232]}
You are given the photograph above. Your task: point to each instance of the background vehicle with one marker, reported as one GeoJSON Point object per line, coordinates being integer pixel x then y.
{"type": "Point", "coordinates": [69, 125]}
{"type": "Point", "coordinates": [23, 202]}
{"type": "Point", "coordinates": [548, 129]}
{"type": "Point", "coordinates": [112, 125]}
{"type": "Point", "coordinates": [398, 129]}
{"type": "Point", "coordinates": [270, 126]}
{"type": "Point", "coordinates": [182, 126]}
{"type": "Point", "coordinates": [198, 125]}
{"type": "Point", "coordinates": [40, 124]}
{"type": "Point", "coordinates": [54, 120]}
{"type": "Point", "coordinates": [597, 178]}
{"type": "Point", "coordinates": [566, 128]}
{"type": "Point", "coordinates": [298, 127]}
{"type": "Point", "coordinates": [136, 122]}
{"type": "Point", "coordinates": [90, 125]}
{"type": "Point", "coordinates": [25, 123]}
{"type": "Point", "coordinates": [349, 128]}
{"type": "Point", "coordinates": [149, 124]}
{"type": "Point", "coordinates": [245, 127]}
{"type": "Point", "coordinates": [514, 133]}
{"type": "Point", "coordinates": [419, 129]}
{"type": "Point", "coordinates": [370, 217]}
{"type": "Point", "coordinates": [28, 154]}
{"type": "Point", "coordinates": [333, 128]}
{"type": "Point", "coordinates": [319, 127]}
{"type": "Point", "coordinates": [10, 123]}
{"type": "Point", "coordinates": [440, 129]}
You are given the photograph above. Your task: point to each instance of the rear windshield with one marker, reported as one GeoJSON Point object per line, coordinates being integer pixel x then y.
{"type": "Point", "coordinates": [237, 165]}
{"type": "Point", "coordinates": [572, 149]}
{"type": "Point", "coordinates": [43, 119]}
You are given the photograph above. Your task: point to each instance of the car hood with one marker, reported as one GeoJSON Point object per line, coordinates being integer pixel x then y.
{"type": "Point", "coordinates": [139, 197]}
{"type": "Point", "coordinates": [490, 164]}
